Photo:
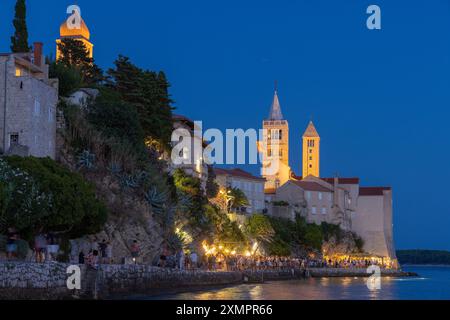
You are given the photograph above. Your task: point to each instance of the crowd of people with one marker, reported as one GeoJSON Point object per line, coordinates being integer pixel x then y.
{"type": "Point", "coordinates": [192, 261]}
{"type": "Point", "coordinates": [101, 253]}
{"type": "Point", "coordinates": [45, 246]}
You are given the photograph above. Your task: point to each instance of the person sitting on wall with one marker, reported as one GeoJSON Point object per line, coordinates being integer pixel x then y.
{"type": "Point", "coordinates": [11, 243]}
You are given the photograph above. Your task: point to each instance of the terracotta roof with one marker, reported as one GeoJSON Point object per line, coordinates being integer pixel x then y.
{"type": "Point", "coordinates": [236, 173]}
{"type": "Point", "coordinates": [311, 131]}
{"type": "Point", "coordinates": [373, 191]}
{"type": "Point", "coordinates": [342, 180]}
{"type": "Point", "coordinates": [270, 191]}
{"type": "Point", "coordinates": [311, 186]}
{"type": "Point", "coordinates": [353, 180]}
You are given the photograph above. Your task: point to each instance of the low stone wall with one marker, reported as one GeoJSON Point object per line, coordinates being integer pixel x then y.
{"type": "Point", "coordinates": [24, 280]}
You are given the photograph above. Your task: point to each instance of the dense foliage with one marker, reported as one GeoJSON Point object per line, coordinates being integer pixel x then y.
{"type": "Point", "coordinates": [117, 120]}
{"type": "Point", "coordinates": [423, 257]}
{"type": "Point", "coordinates": [212, 188]}
{"type": "Point", "coordinates": [147, 92]}
{"type": "Point", "coordinates": [39, 193]}
{"type": "Point", "coordinates": [69, 77]}
{"type": "Point", "coordinates": [74, 54]}
{"type": "Point", "coordinates": [19, 42]}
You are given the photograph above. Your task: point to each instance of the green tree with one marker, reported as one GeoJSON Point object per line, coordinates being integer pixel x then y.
{"type": "Point", "coordinates": [54, 199]}
{"type": "Point", "coordinates": [19, 42]}
{"type": "Point", "coordinates": [314, 236]}
{"type": "Point", "coordinates": [259, 228]}
{"type": "Point", "coordinates": [69, 77]}
{"type": "Point", "coordinates": [238, 198]}
{"type": "Point", "coordinates": [212, 188]}
{"type": "Point", "coordinates": [74, 54]}
{"type": "Point", "coordinates": [147, 91]}
{"type": "Point", "coordinates": [225, 230]}
{"type": "Point", "coordinates": [118, 120]}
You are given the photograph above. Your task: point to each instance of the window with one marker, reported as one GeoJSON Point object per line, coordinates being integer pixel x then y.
{"type": "Point", "coordinates": [18, 72]}
{"type": "Point", "coordinates": [37, 108]}
{"type": "Point", "coordinates": [310, 166]}
{"type": "Point", "coordinates": [330, 197]}
{"type": "Point", "coordinates": [314, 210]}
{"type": "Point", "coordinates": [320, 195]}
{"type": "Point", "coordinates": [280, 134]}
{"type": "Point", "coordinates": [310, 158]}
{"type": "Point", "coordinates": [324, 210]}
{"type": "Point", "coordinates": [269, 152]}
{"type": "Point", "coordinates": [50, 114]}
{"type": "Point", "coordinates": [310, 150]}
{"type": "Point", "coordinates": [13, 139]}
{"type": "Point", "coordinates": [308, 195]}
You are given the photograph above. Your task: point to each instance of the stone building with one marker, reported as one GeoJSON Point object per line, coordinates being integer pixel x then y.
{"type": "Point", "coordinates": [192, 157]}
{"type": "Point", "coordinates": [28, 100]}
{"type": "Point", "coordinates": [250, 185]}
{"type": "Point", "coordinates": [367, 211]}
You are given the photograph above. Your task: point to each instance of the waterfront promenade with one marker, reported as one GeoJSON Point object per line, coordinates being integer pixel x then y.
{"type": "Point", "coordinates": [25, 280]}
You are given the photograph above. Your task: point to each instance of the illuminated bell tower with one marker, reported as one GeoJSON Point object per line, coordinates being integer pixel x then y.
{"type": "Point", "coordinates": [275, 147]}
{"type": "Point", "coordinates": [81, 34]}
{"type": "Point", "coordinates": [311, 152]}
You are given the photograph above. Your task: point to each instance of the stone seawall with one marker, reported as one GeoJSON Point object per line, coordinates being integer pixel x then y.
{"type": "Point", "coordinates": [22, 280]}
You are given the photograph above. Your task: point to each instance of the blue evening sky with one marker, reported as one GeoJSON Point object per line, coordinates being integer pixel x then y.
{"type": "Point", "coordinates": [380, 99]}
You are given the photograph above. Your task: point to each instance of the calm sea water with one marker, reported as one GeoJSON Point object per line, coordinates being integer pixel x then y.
{"type": "Point", "coordinates": [433, 283]}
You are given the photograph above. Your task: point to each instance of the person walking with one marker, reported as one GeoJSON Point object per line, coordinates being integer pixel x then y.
{"type": "Point", "coordinates": [135, 251]}
{"type": "Point", "coordinates": [102, 248]}
{"type": "Point", "coordinates": [40, 247]}
{"type": "Point", "coordinates": [109, 249]}
{"type": "Point", "coordinates": [194, 260]}
{"type": "Point", "coordinates": [180, 258]}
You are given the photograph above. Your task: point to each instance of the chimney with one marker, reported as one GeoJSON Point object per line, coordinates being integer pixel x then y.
{"type": "Point", "coordinates": [38, 57]}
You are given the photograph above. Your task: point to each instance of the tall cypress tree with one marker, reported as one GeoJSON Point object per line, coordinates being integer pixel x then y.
{"type": "Point", "coordinates": [74, 54]}
{"type": "Point", "coordinates": [19, 42]}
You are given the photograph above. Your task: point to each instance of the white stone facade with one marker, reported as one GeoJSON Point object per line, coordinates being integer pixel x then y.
{"type": "Point", "coordinates": [28, 102]}
{"type": "Point", "coordinates": [251, 186]}
{"type": "Point", "coordinates": [365, 211]}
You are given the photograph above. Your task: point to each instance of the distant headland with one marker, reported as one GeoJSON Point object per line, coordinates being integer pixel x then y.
{"type": "Point", "coordinates": [427, 257]}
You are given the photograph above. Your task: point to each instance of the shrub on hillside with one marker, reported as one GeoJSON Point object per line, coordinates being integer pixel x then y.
{"type": "Point", "coordinates": [57, 200]}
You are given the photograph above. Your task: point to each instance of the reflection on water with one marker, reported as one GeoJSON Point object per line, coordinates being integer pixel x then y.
{"type": "Point", "coordinates": [434, 283]}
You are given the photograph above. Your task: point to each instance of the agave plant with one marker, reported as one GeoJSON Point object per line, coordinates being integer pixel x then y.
{"type": "Point", "coordinates": [86, 160]}
{"type": "Point", "coordinates": [115, 168]}
{"type": "Point", "coordinates": [157, 200]}
{"type": "Point", "coordinates": [128, 181]}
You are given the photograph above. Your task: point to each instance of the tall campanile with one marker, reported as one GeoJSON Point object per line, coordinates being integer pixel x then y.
{"type": "Point", "coordinates": [311, 152]}
{"type": "Point", "coordinates": [275, 147]}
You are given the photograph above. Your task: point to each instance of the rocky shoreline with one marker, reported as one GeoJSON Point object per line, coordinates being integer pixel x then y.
{"type": "Point", "coordinates": [20, 280]}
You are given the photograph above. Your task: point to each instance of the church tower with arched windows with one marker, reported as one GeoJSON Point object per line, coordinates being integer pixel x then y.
{"type": "Point", "coordinates": [311, 152]}
{"type": "Point", "coordinates": [275, 148]}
